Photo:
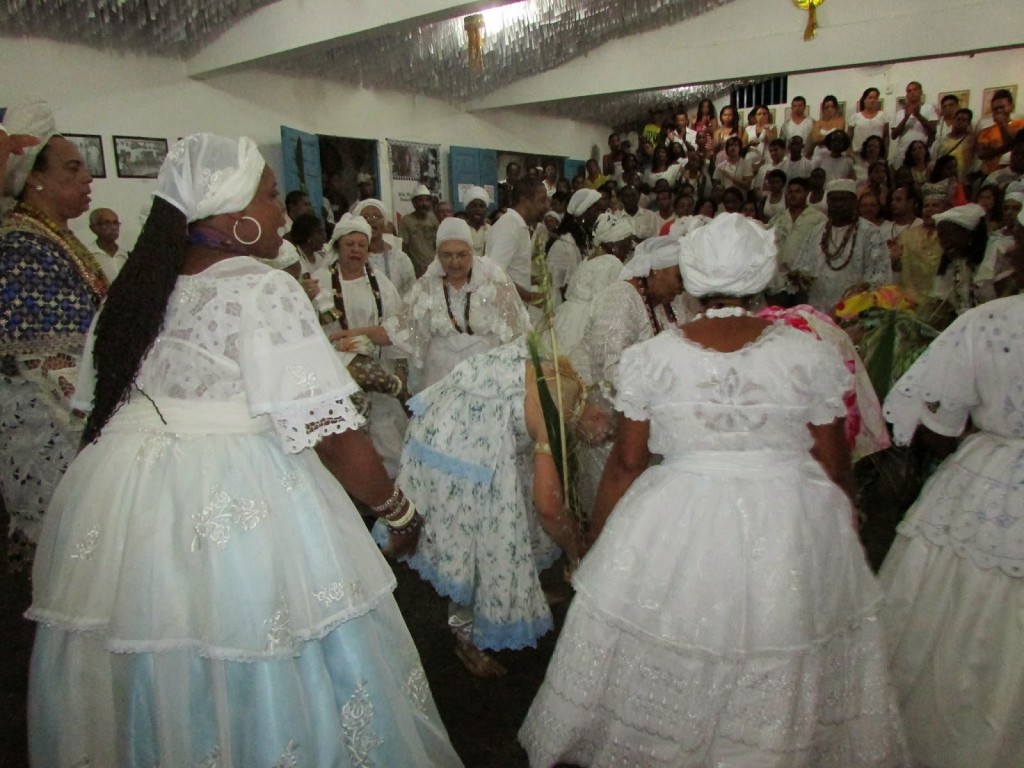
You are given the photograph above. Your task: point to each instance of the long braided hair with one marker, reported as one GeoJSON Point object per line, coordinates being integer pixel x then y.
{"type": "Point", "coordinates": [133, 312]}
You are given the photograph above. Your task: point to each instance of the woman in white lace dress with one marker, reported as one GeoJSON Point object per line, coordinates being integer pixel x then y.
{"type": "Point", "coordinates": [461, 306]}
{"type": "Point", "coordinates": [954, 578]}
{"type": "Point", "coordinates": [207, 594]}
{"type": "Point", "coordinates": [725, 615]}
{"type": "Point", "coordinates": [360, 296]}
{"type": "Point", "coordinates": [636, 307]}
{"type": "Point", "coordinates": [613, 239]}
{"type": "Point", "coordinates": [477, 461]}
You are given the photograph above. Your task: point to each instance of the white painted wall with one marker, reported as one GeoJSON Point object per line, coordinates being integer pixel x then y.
{"type": "Point", "coordinates": [109, 94]}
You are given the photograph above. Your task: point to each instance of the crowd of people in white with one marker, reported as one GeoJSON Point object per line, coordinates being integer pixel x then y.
{"type": "Point", "coordinates": [206, 590]}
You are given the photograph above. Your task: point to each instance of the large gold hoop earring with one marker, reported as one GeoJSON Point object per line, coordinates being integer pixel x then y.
{"type": "Point", "coordinates": [259, 231]}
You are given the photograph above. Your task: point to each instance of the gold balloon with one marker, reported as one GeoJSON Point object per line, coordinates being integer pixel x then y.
{"type": "Point", "coordinates": [811, 7]}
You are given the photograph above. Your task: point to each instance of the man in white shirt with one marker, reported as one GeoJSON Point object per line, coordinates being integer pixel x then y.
{"type": "Point", "coordinates": [795, 165]}
{"type": "Point", "coordinates": [475, 201]}
{"type": "Point", "coordinates": [948, 106]}
{"type": "Point", "coordinates": [792, 228]}
{"type": "Point", "coordinates": [845, 254]}
{"type": "Point", "coordinates": [915, 122]}
{"type": "Point", "coordinates": [107, 227]}
{"type": "Point", "coordinates": [509, 244]}
{"type": "Point", "coordinates": [798, 123]}
{"type": "Point", "coordinates": [776, 157]}
{"type": "Point", "coordinates": [645, 222]}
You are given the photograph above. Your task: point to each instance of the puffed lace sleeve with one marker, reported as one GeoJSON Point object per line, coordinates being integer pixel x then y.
{"type": "Point", "coordinates": [939, 390]}
{"type": "Point", "coordinates": [826, 378]}
{"type": "Point", "coordinates": [632, 384]}
{"type": "Point", "coordinates": [289, 368]}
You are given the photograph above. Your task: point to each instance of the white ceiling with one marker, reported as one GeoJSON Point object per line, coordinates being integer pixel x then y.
{"type": "Point", "coordinates": [602, 60]}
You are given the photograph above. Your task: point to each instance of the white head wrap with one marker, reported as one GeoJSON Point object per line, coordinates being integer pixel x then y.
{"type": "Point", "coordinates": [1018, 196]}
{"type": "Point", "coordinates": [205, 174]}
{"type": "Point", "coordinates": [841, 185]}
{"type": "Point", "coordinates": [610, 228]}
{"type": "Point", "coordinates": [581, 200]}
{"type": "Point", "coordinates": [732, 255]}
{"type": "Point", "coordinates": [475, 193]}
{"type": "Point", "coordinates": [966, 216]}
{"type": "Point", "coordinates": [653, 253]}
{"type": "Point", "coordinates": [421, 191]}
{"type": "Point", "coordinates": [684, 226]}
{"type": "Point", "coordinates": [370, 202]}
{"type": "Point", "coordinates": [347, 225]}
{"type": "Point", "coordinates": [36, 119]}
{"type": "Point", "coordinates": [453, 228]}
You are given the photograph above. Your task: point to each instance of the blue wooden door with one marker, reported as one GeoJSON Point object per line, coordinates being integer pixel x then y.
{"type": "Point", "coordinates": [572, 167]}
{"type": "Point", "coordinates": [469, 166]}
{"type": "Point", "coordinates": [300, 156]}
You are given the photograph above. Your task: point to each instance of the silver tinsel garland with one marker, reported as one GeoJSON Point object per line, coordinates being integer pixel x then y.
{"type": "Point", "coordinates": [431, 59]}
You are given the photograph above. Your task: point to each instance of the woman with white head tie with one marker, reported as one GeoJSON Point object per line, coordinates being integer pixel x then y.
{"type": "Point", "coordinates": [725, 615]}
{"type": "Point", "coordinates": [206, 592]}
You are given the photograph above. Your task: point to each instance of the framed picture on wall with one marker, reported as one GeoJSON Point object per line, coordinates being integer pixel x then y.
{"type": "Point", "coordinates": [964, 97]}
{"type": "Point", "coordinates": [137, 157]}
{"type": "Point", "coordinates": [91, 147]}
{"type": "Point", "coordinates": [986, 97]}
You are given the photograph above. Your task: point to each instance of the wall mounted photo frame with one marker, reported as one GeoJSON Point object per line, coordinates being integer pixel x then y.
{"type": "Point", "coordinates": [986, 98]}
{"type": "Point", "coordinates": [91, 148]}
{"type": "Point", "coordinates": [138, 157]}
{"type": "Point", "coordinates": [963, 96]}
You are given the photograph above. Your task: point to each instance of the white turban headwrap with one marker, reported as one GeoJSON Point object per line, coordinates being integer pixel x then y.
{"type": "Point", "coordinates": [475, 193]}
{"type": "Point", "coordinates": [966, 216]}
{"type": "Point", "coordinates": [347, 225]}
{"type": "Point", "coordinates": [684, 226]}
{"type": "Point", "coordinates": [453, 228]}
{"type": "Point", "coordinates": [732, 255]}
{"type": "Point", "coordinates": [581, 200]}
{"type": "Point", "coordinates": [610, 228]}
{"type": "Point", "coordinates": [1018, 196]}
{"type": "Point", "coordinates": [204, 175]}
{"type": "Point", "coordinates": [35, 119]}
{"type": "Point", "coordinates": [370, 202]}
{"type": "Point", "coordinates": [841, 185]}
{"type": "Point", "coordinates": [653, 253]}
{"type": "Point", "coordinates": [1015, 186]}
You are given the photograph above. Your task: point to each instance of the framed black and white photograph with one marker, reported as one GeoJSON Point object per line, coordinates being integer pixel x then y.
{"type": "Point", "coordinates": [91, 147]}
{"type": "Point", "coordinates": [137, 157]}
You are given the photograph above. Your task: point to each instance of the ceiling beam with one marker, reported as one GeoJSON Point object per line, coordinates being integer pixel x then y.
{"type": "Point", "coordinates": [291, 27]}
{"type": "Point", "coordinates": [748, 38]}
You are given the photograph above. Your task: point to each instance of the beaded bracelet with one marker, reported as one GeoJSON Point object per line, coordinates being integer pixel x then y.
{"type": "Point", "coordinates": [412, 523]}
{"type": "Point", "coordinates": [399, 512]}
{"type": "Point", "coordinates": [400, 522]}
{"type": "Point", "coordinates": [391, 502]}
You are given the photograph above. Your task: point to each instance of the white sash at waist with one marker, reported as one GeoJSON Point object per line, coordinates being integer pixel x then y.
{"type": "Point", "coordinates": [737, 463]}
{"type": "Point", "coordinates": [208, 417]}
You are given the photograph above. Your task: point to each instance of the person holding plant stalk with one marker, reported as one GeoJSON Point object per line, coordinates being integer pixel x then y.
{"type": "Point", "coordinates": [481, 459]}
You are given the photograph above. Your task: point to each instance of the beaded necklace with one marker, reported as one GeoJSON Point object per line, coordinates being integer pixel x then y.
{"type": "Point", "coordinates": [28, 217]}
{"type": "Point", "coordinates": [339, 296]}
{"type": "Point", "coordinates": [850, 238]}
{"type": "Point", "coordinates": [448, 306]}
{"type": "Point", "coordinates": [651, 317]}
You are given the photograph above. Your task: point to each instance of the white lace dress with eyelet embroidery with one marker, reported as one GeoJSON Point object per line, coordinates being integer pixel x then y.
{"type": "Point", "coordinates": [206, 592]}
{"type": "Point", "coordinates": [725, 617]}
{"type": "Point", "coordinates": [954, 577]}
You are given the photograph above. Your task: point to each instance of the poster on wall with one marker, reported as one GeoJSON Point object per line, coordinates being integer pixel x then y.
{"type": "Point", "coordinates": [413, 164]}
{"type": "Point", "coordinates": [349, 170]}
